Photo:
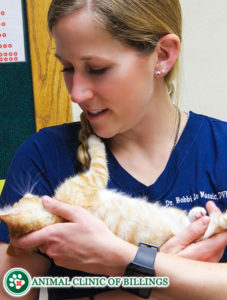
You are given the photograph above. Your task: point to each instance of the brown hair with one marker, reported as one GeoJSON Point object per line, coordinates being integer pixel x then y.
{"type": "Point", "coordinates": [137, 23]}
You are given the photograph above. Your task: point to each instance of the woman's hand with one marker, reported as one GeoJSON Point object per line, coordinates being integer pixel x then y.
{"type": "Point", "coordinates": [185, 243]}
{"type": "Point", "coordinates": [83, 243]}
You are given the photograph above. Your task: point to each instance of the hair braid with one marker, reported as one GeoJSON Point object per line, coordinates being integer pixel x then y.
{"type": "Point", "coordinates": [85, 132]}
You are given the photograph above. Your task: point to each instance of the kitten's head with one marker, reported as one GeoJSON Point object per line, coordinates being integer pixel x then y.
{"type": "Point", "coordinates": [26, 215]}
{"type": "Point", "coordinates": [18, 217]}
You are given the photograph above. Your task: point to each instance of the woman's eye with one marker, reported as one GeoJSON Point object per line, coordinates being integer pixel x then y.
{"type": "Point", "coordinates": [67, 69]}
{"type": "Point", "coordinates": [97, 71]}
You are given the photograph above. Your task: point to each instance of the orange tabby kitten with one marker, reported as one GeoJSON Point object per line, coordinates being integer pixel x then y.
{"type": "Point", "coordinates": [132, 219]}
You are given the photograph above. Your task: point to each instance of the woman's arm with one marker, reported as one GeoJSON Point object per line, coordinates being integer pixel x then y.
{"type": "Point", "coordinates": [190, 278]}
{"type": "Point", "coordinates": [35, 264]}
{"type": "Point", "coordinates": [85, 243]}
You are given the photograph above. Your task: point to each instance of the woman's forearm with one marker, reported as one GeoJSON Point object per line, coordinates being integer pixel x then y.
{"type": "Point", "coordinates": [34, 263]}
{"type": "Point", "coordinates": [190, 279]}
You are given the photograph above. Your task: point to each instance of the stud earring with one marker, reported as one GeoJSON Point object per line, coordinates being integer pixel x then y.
{"type": "Point", "coordinates": [158, 73]}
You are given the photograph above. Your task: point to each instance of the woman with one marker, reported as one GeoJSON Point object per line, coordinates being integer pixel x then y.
{"type": "Point", "coordinates": [119, 60]}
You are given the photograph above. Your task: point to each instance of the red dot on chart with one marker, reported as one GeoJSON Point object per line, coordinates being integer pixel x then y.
{"type": "Point", "coordinates": [10, 53]}
{"type": "Point", "coordinates": [4, 46]}
{"type": "Point", "coordinates": [4, 34]}
{"type": "Point", "coordinates": [1, 59]}
{"type": "Point", "coordinates": [0, 53]}
{"type": "Point", "coordinates": [5, 59]}
{"type": "Point", "coordinates": [16, 58]}
{"type": "Point", "coordinates": [10, 59]}
{"type": "Point", "coordinates": [10, 45]}
{"type": "Point", "coordinates": [2, 13]}
{"type": "Point", "coordinates": [15, 53]}
{"type": "Point", "coordinates": [0, 46]}
{"type": "Point", "coordinates": [5, 53]}
{"type": "Point", "coordinates": [3, 24]}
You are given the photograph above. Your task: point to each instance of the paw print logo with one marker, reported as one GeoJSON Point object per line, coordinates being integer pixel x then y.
{"type": "Point", "coordinates": [17, 282]}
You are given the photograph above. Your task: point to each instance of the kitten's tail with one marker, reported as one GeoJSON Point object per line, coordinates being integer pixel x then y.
{"type": "Point", "coordinates": [98, 170]}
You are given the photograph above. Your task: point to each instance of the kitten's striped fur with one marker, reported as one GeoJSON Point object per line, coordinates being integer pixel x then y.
{"type": "Point", "coordinates": [133, 219]}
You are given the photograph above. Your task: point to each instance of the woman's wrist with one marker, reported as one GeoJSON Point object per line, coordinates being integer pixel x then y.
{"type": "Point", "coordinates": [121, 254]}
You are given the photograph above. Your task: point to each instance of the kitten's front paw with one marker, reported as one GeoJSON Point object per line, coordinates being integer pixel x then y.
{"type": "Point", "coordinates": [223, 221]}
{"type": "Point", "coordinates": [218, 223]}
{"type": "Point", "coordinates": [195, 213]}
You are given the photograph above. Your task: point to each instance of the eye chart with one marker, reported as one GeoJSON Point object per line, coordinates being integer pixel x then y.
{"type": "Point", "coordinates": [12, 47]}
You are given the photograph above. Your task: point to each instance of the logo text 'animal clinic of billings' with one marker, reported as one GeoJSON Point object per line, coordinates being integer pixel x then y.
{"type": "Point", "coordinates": [17, 282]}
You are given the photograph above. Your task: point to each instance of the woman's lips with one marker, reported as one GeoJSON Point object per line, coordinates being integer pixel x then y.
{"type": "Point", "coordinates": [95, 114]}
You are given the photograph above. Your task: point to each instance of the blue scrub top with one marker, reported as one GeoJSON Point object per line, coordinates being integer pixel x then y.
{"type": "Point", "coordinates": [195, 173]}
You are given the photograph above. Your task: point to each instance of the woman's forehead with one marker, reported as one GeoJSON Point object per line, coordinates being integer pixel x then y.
{"type": "Point", "coordinates": [78, 34]}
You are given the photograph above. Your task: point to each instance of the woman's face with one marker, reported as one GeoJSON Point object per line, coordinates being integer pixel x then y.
{"type": "Point", "coordinates": [112, 83]}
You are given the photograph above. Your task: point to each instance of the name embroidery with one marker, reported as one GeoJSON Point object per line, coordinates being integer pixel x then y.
{"type": "Point", "coordinates": [195, 196]}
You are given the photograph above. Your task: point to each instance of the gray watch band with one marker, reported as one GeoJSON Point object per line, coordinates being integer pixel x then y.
{"type": "Point", "coordinates": [142, 265]}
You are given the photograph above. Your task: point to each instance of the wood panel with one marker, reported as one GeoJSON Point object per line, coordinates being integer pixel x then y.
{"type": "Point", "coordinates": [51, 100]}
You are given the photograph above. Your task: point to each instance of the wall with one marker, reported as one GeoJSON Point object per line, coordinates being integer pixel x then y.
{"type": "Point", "coordinates": [17, 120]}
{"type": "Point", "coordinates": [32, 93]}
{"type": "Point", "coordinates": [204, 84]}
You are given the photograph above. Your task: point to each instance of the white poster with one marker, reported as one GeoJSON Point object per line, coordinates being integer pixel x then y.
{"type": "Point", "coordinates": [12, 47]}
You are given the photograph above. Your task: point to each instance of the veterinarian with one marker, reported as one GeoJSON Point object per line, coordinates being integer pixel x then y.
{"type": "Point", "coordinates": [119, 61]}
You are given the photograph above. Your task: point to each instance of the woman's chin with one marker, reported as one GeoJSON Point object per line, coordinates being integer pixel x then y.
{"type": "Point", "coordinates": [104, 132]}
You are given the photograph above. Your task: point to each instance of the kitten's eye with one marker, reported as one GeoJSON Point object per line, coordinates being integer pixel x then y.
{"type": "Point", "coordinates": [97, 71]}
{"type": "Point", "coordinates": [67, 69]}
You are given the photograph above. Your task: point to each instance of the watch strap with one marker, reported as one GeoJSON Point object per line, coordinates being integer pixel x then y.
{"type": "Point", "coordinates": [144, 260]}
{"type": "Point", "coordinates": [142, 265]}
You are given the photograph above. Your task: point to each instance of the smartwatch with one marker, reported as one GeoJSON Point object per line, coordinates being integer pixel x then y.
{"type": "Point", "coordinates": [141, 266]}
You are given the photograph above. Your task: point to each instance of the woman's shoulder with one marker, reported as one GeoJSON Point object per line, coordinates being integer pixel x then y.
{"type": "Point", "coordinates": [45, 159]}
{"type": "Point", "coordinates": [60, 138]}
{"type": "Point", "coordinates": [210, 121]}
{"type": "Point", "coordinates": [67, 132]}
{"type": "Point", "coordinates": [212, 128]}
{"type": "Point", "coordinates": [212, 145]}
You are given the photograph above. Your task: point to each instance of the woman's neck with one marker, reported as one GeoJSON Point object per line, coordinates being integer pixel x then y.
{"type": "Point", "coordinates": [145, 150]}
{"type": "Point", "coordinates": [156, 130]}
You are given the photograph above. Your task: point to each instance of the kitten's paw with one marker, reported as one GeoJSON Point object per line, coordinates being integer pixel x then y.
{"type": "Point", "coordinates": [94, 141]}
{"type": "Point", "coordinates": [195, 213]}
{"type": "Point", "coordinates": [218, 223]}
{"type": "Point", "coordinates": [214, 225]}
{"type": "Point", "coordinates": [223, 221]}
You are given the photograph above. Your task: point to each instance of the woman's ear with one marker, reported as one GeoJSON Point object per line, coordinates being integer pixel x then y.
{"type": "Point", "coordinates": [167, 51]}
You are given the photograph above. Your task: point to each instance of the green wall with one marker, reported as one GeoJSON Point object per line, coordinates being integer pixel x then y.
{"type": "Point", "coordinates": [17, 120]}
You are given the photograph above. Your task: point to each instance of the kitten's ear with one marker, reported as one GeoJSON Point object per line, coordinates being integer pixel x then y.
{"type": "Point", "coordinates": [7, 219]}
{"type": "Point", "coordinates": [9, 216]}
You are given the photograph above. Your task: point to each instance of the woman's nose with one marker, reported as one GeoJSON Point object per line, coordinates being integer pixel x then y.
{"type": "Point", "coordinates": [81, 89]}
